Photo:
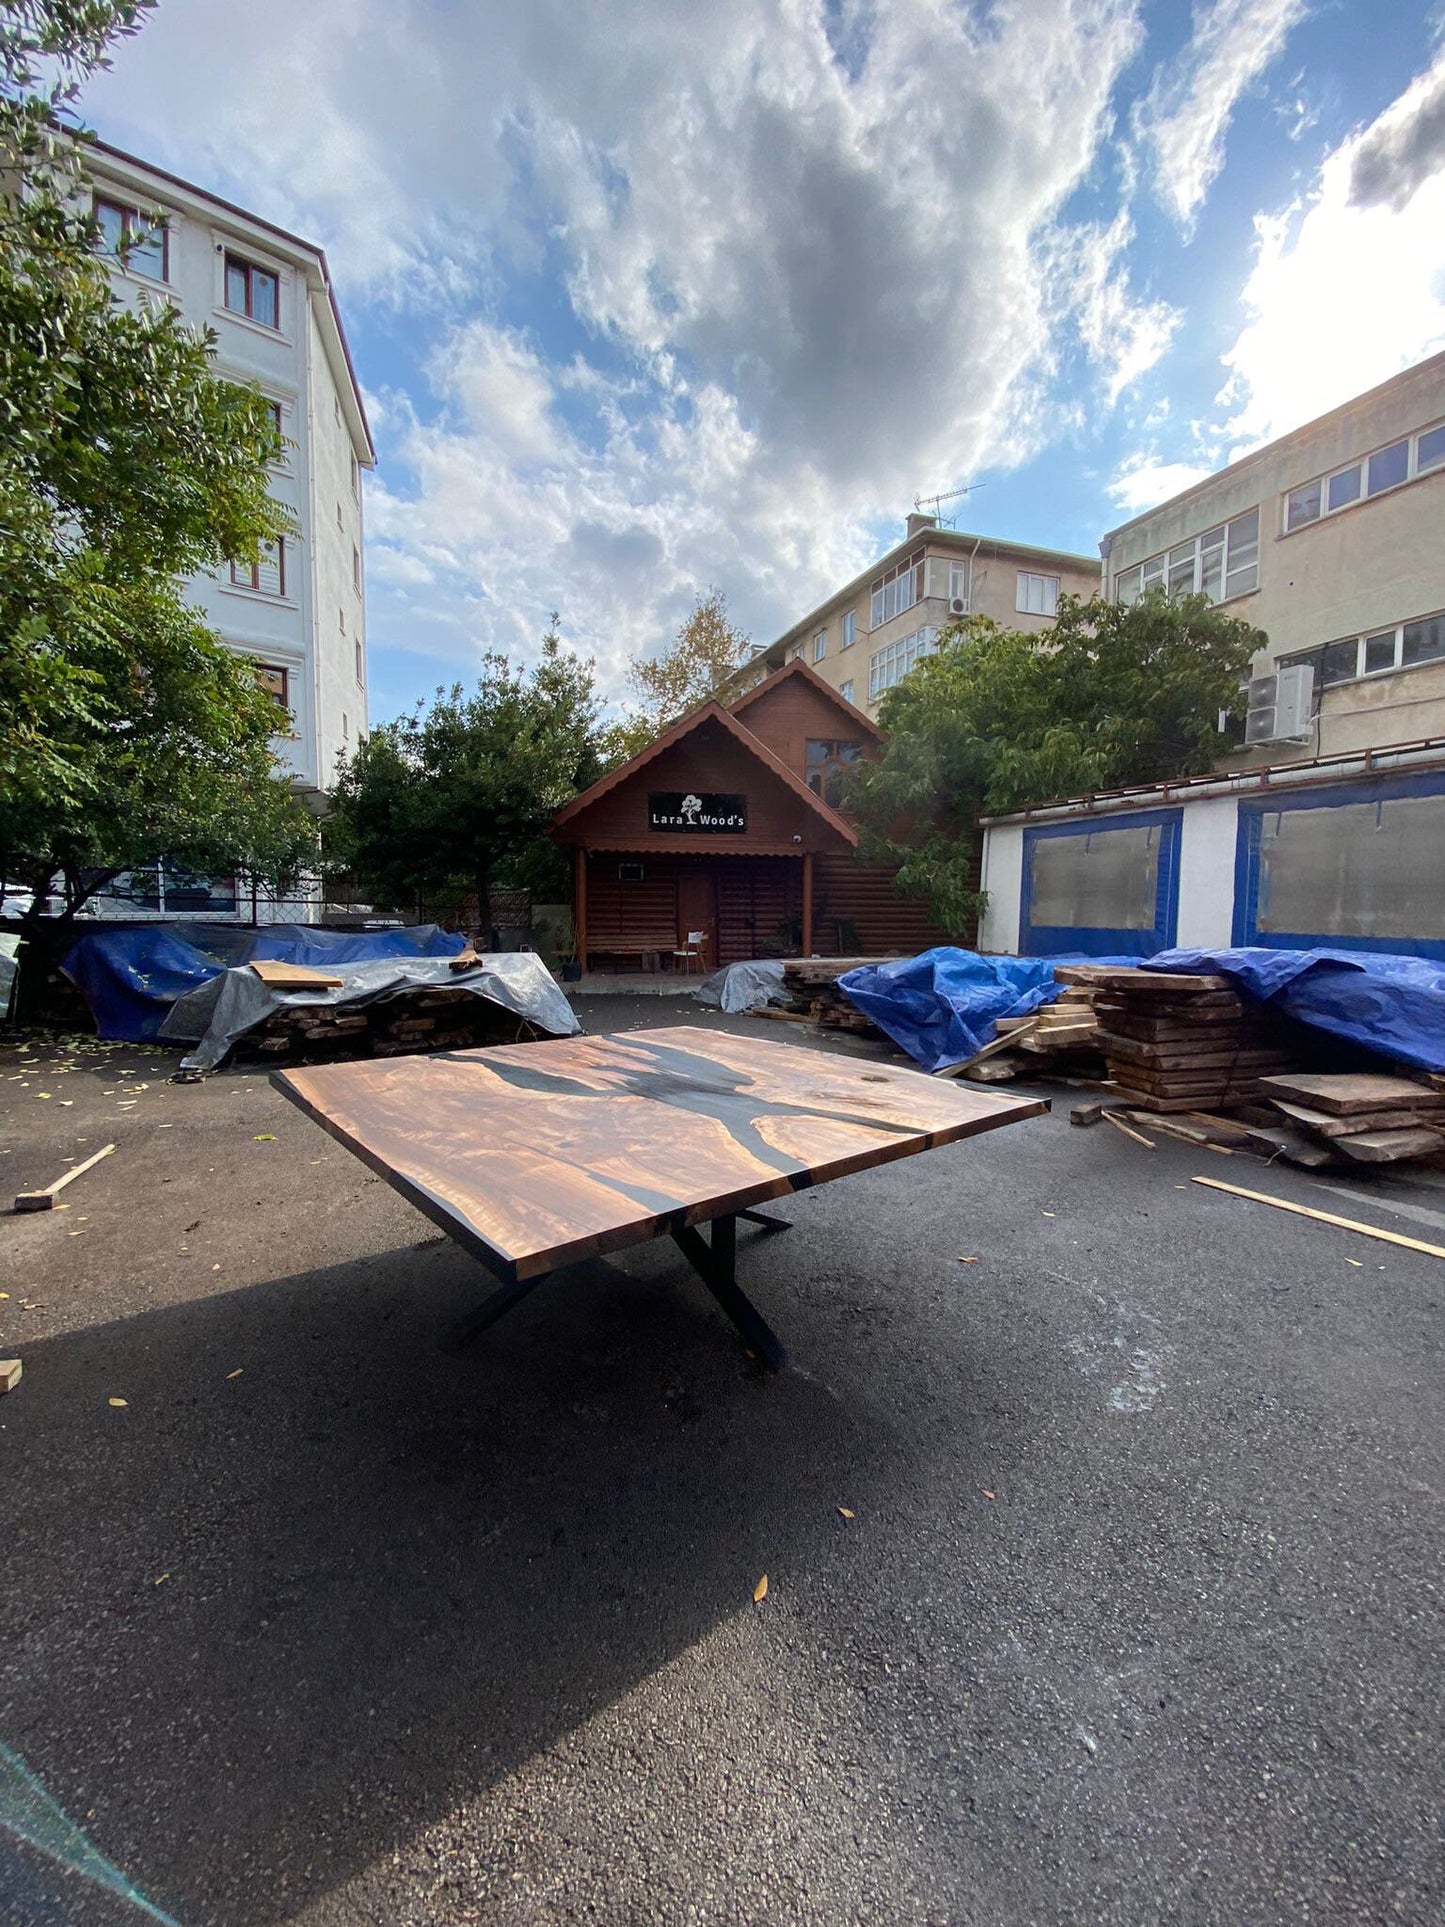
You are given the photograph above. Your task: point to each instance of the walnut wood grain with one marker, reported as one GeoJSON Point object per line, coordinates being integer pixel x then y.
{"type": "Point", "coordinates": [536, 1155]}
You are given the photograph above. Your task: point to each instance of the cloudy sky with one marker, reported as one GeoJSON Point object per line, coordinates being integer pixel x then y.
{"type": "Point", "coordinates": [656, 294]}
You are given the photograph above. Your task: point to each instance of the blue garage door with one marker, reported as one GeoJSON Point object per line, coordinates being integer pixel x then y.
{"type": "Point", "coordinates": [1357, 866]}
{"type": "Point", "coordinates": [1106, 887]}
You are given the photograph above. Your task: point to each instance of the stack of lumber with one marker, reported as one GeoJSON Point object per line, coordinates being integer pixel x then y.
{"type": "Point", "coordinates": [1174, 1042]}
{"type": "Point", "coordinates": [1364, 1117]}
{"type": "Point", "coordinates": [430, 1017]}
{"type": "Point", "coordinates": [812, 986]}
{"type": "Point", "coordinates": [1065, 1034]}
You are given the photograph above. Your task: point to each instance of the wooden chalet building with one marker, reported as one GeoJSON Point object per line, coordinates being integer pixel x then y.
{"type": "Point", "coordinates": [726, 825]}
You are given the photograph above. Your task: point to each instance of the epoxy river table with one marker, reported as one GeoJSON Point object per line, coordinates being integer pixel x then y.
{"type": "Point", "coordinates": [536, 1156]}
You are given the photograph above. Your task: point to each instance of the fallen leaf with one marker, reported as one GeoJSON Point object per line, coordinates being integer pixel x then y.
{"type": "Point", "coordinates": [215, 1267]}
{"type": "Point", "coordinates": [1358, 1263]}
{"type": "Point", "coordinates": [760, 1590]}
{"type": "Point", "coordinates": [119, 1401]}
{"type": "Point", "coordinates": [846, 1513]}
{"type": "Point", "coordinates": [237, 1373]}
{"type": "Point", "coordinates": [162, 1580]}
{"type": "Point", "coordinates": [968, 1261]}
{"type": "Point", "coordinates": [265, 1137]}
{"type": "Point", "coordinates": [1048, 1214]}
{"type": "Point", "coordinates": [985, 1491]}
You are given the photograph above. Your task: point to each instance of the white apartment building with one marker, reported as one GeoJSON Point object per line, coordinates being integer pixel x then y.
{"type": "Point", "coordinates": [300, 614]}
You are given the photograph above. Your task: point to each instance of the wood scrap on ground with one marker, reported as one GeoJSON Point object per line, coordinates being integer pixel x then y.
{"type": "Point", "coordinates": [1368, 1118]}
{"type": "Point", "coordinates": [1326, 1217]}
{"type": "Point", "coordinates": [44, 1200]}
{"type": "Point", "coordinates": [10, 1369]}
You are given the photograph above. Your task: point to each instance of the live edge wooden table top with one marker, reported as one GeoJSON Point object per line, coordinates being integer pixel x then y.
{"type": "Point", "coordinates": [536, 1155]}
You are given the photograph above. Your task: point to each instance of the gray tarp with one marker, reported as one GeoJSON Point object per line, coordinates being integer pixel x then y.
{"type": "Point", "coordinates": [744, 986]}
{"type": "Point", "coordinates": [228, 1006]}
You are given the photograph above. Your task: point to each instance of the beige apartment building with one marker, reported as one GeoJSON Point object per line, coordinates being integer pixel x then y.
{"type": "Point", "coordinates": [1332, 541]}
{"type": "Point", "coordinates": [868, 635]}
{"type": "Point", "coordinates": [1325, 828]}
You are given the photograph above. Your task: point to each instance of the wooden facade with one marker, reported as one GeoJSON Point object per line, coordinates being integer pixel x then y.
{"type": "Point", "coordinates": [786, 883]}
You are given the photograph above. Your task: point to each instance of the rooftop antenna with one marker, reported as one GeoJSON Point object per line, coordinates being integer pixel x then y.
{"type": "Point", "coordinates": [931, 504]}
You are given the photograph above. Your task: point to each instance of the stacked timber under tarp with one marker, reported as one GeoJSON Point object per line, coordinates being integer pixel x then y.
{"type": "Point", "coordinates": [1174, 1042]}
{"type": "Point", "coordinates": [399, 1026]}
{"type": "Point", "coordinates": [813, 993]}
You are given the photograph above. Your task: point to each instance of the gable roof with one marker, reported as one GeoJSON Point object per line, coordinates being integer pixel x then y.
{"type": "Point", "coordinates": [855, 716]}
{"type": "Point", "coordinates": [708, 712]}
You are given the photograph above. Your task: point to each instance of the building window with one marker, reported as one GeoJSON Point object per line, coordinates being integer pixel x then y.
{"type": "Point", "coordinates": [355, 477]}
{"type": "Point", "coordinates": [1223, 562]}
{"type": "Point", "coordinates": [252, 291]}
{"type": "Point", "coordinates": [345, 727]}
{"type": "Point", "coordinates": [356, 568]}
{"type": "Point", "coordinates": [276, 682]}
{"type": "Point", "coordinates": [848, 630]}
{"type": "Point", "coordinates": [1038, 595]}
{"type": "Point", "coordinates": [1373, 474]}
{"type": "Point", "coordinates": [898, 590]}
{"type": "Point", "coordinates": [820, 645]}
{"type": "Point", "coordinates": [846, 692]}
{"type": "Point", "coordinates": [341, 618]}
{"type": "Point", "coordinates": [339, 523]}
{"type": "Point", "coordinates": [267, 574]}
{"type": "Point", "coordinates": [137, 241]}
{"type": "Point", "coordinates": [958, 574]}
{"type": "Point", "coordinates": [1375, 654]}
{"type": "Point", "coordinates": [795, 654]}
{"type": "Point", "coordinates": [890, 664]}
{"type": "Point", "coordinates": [360, 663]}
{"type": "Point", "coordinates": [826, 762]}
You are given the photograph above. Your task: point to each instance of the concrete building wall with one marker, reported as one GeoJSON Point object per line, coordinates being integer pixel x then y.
{"type": "Point", "coordinates": [986, 572]}
{"type": "Point", "coordinates": [1370, 566]}
{"type": "Point", "coordinates": [336, 521]}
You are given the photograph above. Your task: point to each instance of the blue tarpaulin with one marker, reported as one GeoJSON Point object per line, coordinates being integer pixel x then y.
{"type": "Point", "coordinates": [941, 1007]}
{"type": "Point", "coordinates": [131, 977]}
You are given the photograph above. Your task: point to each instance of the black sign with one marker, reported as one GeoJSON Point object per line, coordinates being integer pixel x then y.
{"type": "Point", "coordinates": [701, 811]}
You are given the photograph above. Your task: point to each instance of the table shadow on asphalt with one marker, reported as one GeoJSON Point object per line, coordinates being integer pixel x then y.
{"type": "Point", "coordinates": [393, 1575]}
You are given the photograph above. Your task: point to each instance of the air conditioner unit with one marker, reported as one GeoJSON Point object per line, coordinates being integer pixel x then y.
{"type": "Point", "coordinates": [958, 605]}
{"type": "Point", "coordinates": [1281, 706]}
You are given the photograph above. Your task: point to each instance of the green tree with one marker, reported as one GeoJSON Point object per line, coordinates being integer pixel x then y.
{"type": "Point", "coordinates": [457, 797]}
{"type": "Point", "coordinates": [127, 730]}
{"type": "Point", "coordinates": [707, 647]}
{"type": "Point", "coordinates": [998, 718]}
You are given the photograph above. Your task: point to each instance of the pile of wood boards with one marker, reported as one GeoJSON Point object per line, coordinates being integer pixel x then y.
{"type": "Point", "coordinates": [814, 996]}
{"type": "Point", "coordinates": [1174, 1042]}
{"type": "Point", "coordinates": [429, 1017]}
{"type": "Point", "coordinates": [1057, 1040]}
{"type": "Point", "coordinates": [1363, 1118]}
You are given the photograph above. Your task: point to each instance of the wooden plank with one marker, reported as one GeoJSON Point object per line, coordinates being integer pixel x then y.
{"type": "Point", "coordinates": [10, 1370]}
{"type": "Point", "coordinates": [1005, 1041]}
{"type": "Point", "coordinates": [1125, 977]}
{"type": "Point", "coordinates": [536, 1155]}
{"type": "Point", "coordinates": [288, 976]}
{"type": "Point", "coordinates": [1351, 1124]}
{"type": "Point", "coordinates": [1113, 1117]}
{"type": "Point", "coordinates": [1390, 1147]}
{"type": "Point", "coordinates": [1355, 1092]}
{"type": "Point", "coordinates": [45, 1200]}
{"type": "Point", "coordinates": [1326, 1217]}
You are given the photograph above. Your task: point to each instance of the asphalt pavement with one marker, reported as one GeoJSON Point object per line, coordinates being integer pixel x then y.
{"type": "Point", "coordinates": [1100, 1515]}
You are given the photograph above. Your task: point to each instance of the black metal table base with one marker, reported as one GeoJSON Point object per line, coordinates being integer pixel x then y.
{"type": "Point", "coordinates": [714, 1261]}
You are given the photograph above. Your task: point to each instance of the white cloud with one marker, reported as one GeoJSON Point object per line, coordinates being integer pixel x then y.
{"type": "Point", "coordinates": [1186, 117]}
{"type": "Point", "coordinates": [1143, 482]}
{"type": "Point", "coordinates": [806, 262]}
{"type": "Point", "coordinates": [1345, 292]}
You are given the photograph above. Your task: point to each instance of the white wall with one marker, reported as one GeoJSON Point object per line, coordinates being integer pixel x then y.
{"type": "Point", "coordinates": [1003, 880]}
{"type": "Point", "coordinates": [1206, 873]}
{"type": "Point", "coordinates": [339, 616]}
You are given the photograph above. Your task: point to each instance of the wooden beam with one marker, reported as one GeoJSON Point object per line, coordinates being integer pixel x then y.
{"type": "Point", "coordinates": [1326, 1217]}
{"type": "Point", "coordinates": [45, 1200]}
{"type": "Point", "coordinates": [579, 909]}
{"type": "Point", "coordinates": [807, 903]}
